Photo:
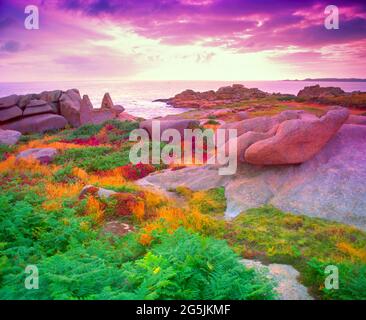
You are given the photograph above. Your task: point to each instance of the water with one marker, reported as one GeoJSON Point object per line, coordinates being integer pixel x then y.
{"type": "Point", "coordinates": [137, 96]}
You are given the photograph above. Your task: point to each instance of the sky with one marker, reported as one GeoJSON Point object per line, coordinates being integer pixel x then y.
{"type": "Point", "coordinates": [181, 40]}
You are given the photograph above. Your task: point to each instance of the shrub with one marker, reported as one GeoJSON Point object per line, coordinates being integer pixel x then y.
{"type": "Point", "coordinates": [188, 266]}
{"type": "Point", "coordinates": [77, 262]}
{"type": "Point", "coordinates": [137, 171]}
{"type": "Point", "coordinates": [212, 122]}
{"type": "Point", "coordinates": [64, 174]}
{"type": "Point", "coordinates": [352, 279]}
{"type": "Point", "coordinates": [270, 234]}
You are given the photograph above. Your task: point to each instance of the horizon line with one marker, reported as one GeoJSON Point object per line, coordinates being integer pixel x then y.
{"type": "Point", "coordinates": [326, 79]}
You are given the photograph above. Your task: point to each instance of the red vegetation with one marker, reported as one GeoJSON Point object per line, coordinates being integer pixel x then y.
{"type": "Point", "coordinates": [91, 142]}
{"type": "Point", "coordinates": [128, 204]}
{"type": "Point", "coordinates": [138, 171]}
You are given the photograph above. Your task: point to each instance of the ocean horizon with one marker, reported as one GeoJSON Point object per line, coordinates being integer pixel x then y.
{"type": "Point", "coordinates": [137, 96]}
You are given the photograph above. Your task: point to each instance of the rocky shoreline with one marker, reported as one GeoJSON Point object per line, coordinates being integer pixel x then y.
{"type": "Point", "coordinates": [229, 95]}
{"type": "Point", "coordinates": [53, 110]}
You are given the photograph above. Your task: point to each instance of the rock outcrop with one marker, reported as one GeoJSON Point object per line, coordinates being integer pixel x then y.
{"type": "Point", "coordinates": [316, 92]}
{"type": "Point", "coordinates": [331, 185]}
{"type": "Point", "coordinates": [296, 141]}
{"type": "Point", "coordinates": [166, 124]}
{"type": "Point", "coordinates": [38, 123]}
{"type": "Point", "coordinates": [290, 137]}
{"type": "Point", "coordinates": [288, 286]}
{"type": "Point", "coordinates": [210, 99]}
{"type": "Point", "coordinates": [9, 137]}
{"type": "Point", "coordinates": [70, 102]}
{"type": "Point", "coordinates": [43, 155]}
{"type": "Point", "coordinates": [52, 110]}
{"type": "Point", "coordinates": [333, 95]}
{"type": "Point", "coordinates": [107, 102]}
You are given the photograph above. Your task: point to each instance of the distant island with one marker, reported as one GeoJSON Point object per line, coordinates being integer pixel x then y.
{"type": "Point", "coordinates": [331, 79]}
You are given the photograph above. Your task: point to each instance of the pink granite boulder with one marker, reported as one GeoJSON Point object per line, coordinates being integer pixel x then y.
{"type": "Point", "coordinates": [70, 106]}
{"type": "Point", "coordinates": [107, 102]}
{"type": "Point", "coordinates": [297, 141]}
{"type": "Point", "coordinates": [9, 101]}
{"type": "Point", "coordinates": [7, 114]}
{"type": "Point", "coordinates": [165, 124]}
{"type": "Point", "coordinates": [9, 137]}
{"type": "Point", "coordinates": [37, 123]}
{"type": "Point", "coordinates": [43, 155]}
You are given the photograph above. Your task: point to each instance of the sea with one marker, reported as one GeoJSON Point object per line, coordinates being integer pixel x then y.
{"type": "Point", "coordinates": [137, 96]}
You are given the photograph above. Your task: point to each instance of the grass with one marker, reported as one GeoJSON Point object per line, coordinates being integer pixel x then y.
{"type": "Point", "coordinates": [271, 235]}
{"type": "Point", "coordinates": [94, 158]}
{"type": "Point", "coordinates": [211, 202]}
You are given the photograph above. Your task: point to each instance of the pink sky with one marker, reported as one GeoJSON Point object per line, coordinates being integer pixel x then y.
{"type": "Point", "coordinates": [181, 40]}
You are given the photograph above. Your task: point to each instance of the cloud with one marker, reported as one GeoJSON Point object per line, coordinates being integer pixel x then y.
{"type": "Point", "coordinates": [10, 46]}
{"type": "Point", "coordinates": [210, 32]}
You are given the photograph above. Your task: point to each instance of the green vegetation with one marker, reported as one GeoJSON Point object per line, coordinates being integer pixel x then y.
{"type": "Point", "coordinates": [212, 122]}
{"type": "Point", "coordinates": [307, 244]}
{"type": "Point", "coordinates": [85, 131]}
{"type": "Point", "coordinates": [4, 149]}
{"type": "Point", "coordinates": [184, 250]}
{"type": "Point", "coordinates": [94, 158]}
{"type": "Point", "coordinates": [211, 202]}
{"type": "Point", "coordinates": [76, 261]}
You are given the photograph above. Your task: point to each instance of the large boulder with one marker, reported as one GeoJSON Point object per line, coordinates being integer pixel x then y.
{"type": "Point", "coordinates": [9, 137]}
{"type": "Point", "coordinates": [35, 103]}
{"type": "Point", "coordinates": [9, 101]}
{"type": "Point", "coordinates": [25, 99]}
{"type": "Point", "coordinates": [86, 111]}
{"type": "Point", "coordinates": [247, 139]}
{"type": "Point", "coordinates": [10, 113]}
{"type": "Point", "coordinates": [51, 96]}
{"type": "Point", "coordinates": [37, 123]}
{"type": "Point", "coordinates": [296, 141]}
{"type": "Point", "coordinates": [331, 185]}
{"type": "Point", "coordinates": [260, 124]}
{"type": "Point", "coordinates": [165, 124]}
{"type": "Point", "coordinates": [46, 108]}
{"type": "Point", "coordinates": [107, 102]}
{"type": "Point", "coordinates": [118, 109]}
{"type": "Point", "coordinates": [43, 155]}
{"type": "Point", "coordinates": [70, 106]}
